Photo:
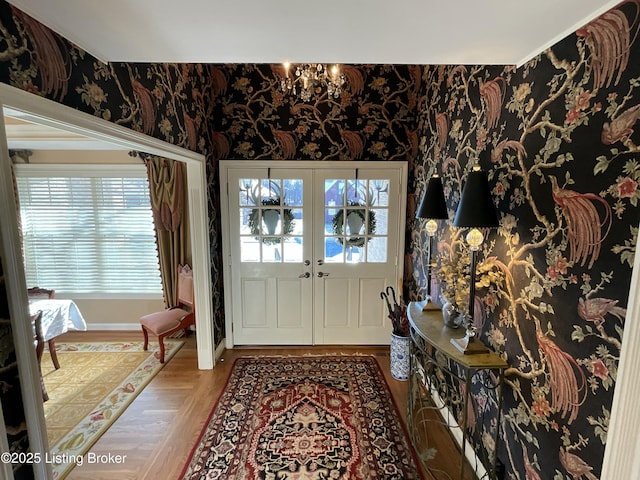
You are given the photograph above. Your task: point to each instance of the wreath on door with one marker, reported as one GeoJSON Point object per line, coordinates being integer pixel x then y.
{"type": "Point", "coordinates": [255, 220]}
{"type": "Point", "coordinates": [337, 224]}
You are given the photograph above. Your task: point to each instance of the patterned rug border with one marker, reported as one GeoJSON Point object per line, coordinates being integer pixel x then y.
{"type": "Point", "coordinates": [116, 402]}
{"type": "Point", "coordinates": [204, 428]}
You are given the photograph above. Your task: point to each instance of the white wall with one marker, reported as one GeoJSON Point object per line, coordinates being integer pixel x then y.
{"type": "Point", "coordinates": [116, 314]}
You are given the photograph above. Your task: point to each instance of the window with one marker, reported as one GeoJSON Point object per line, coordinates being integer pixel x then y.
{"type": "Point", "coordinates": [88, 229]}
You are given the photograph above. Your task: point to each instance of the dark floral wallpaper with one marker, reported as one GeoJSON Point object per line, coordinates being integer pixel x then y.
{"type": "Point", "coordinates": [559, 140]}
{"type": "Point", "coordinates": [168, 101]}
{"type": "Point", "coordinates": [557, 137]}
{"type": "Point", "coordinates": [374, 118]}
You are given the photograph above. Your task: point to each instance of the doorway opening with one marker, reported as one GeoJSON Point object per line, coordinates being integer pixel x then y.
{"type": "Point", "coordinates": [309, 246]}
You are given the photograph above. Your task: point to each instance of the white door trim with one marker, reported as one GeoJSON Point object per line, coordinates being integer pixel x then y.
{"type": "Point", "coordinates": [226, 165]}
{"type": "Point", "coordinates": [621, 459]}
{"type": "Point", "coordinates": [47, 112]}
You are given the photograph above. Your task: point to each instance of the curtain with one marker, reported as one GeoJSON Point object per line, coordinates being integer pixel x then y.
{"type": "Point", "coordinates": [167, 189]}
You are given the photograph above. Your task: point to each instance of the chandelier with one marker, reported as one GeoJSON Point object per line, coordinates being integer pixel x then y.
{"type": "Point", "coordinates": [309, 76]}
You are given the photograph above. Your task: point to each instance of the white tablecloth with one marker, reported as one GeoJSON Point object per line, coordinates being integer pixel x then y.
{"type": "Point", "coordinates": [58, 316]}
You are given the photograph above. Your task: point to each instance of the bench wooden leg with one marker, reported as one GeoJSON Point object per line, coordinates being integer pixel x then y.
{"type": "Point", "coordinates": [146, 339]}
{"type": "Point", "coordinates": [161, 342]}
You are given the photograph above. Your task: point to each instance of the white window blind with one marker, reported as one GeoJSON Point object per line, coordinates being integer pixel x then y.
{"type": "Point", "coordinates": [88, 229]}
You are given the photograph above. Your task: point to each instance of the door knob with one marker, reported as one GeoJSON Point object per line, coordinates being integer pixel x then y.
{"type": "Point", "coordinates": [304, 275]}
{"type": "Point", "coordinates": [321, 274]}
{"type": "Point", "coordinates": [307, 263]}
{"type": "Point", "coordinates": [320, 262]}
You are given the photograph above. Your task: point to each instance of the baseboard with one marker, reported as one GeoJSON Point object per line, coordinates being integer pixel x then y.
{"type": "Point", "coordinates": [113, 326]}
{"type": "Point", "coordinates": [219, 350]}
{"type": "Point", "coordinates": [456, 432]}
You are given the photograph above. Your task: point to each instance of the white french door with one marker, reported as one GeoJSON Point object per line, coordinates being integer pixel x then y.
{"type": "Point", "coordinates": [270, 239]}
{"type": "Point", "coordinates": [308, 249]}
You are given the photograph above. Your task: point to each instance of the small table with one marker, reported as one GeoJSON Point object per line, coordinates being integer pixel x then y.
{"type": "Point", "coordinates": [441, 381]}
{"type": "Point", "coordinates": [58, 317]}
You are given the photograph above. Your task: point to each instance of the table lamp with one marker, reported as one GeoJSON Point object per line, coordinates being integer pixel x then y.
{"type": "Point", "coordinates": [476, 210]}
{"type": "Point", "coordinates": [432, 207]}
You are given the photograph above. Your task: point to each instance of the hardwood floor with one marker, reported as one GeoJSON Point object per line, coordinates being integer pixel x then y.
{"type": "Point", "coordinates": [160, 427]}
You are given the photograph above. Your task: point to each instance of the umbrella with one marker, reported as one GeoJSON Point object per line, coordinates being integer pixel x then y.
{"type": "Point", "coordinates": [397, 312]}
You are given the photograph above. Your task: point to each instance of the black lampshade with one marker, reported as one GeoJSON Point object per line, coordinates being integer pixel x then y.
{"type": "Point", "coordinates": [433, 205]}
{"type": "Point", "coordinates": [476, 208]}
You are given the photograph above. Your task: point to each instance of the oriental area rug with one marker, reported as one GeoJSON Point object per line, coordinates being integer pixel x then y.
{"type": "Point", "coordinates": [94, 385]}
{"type": "Point", "coordinates": [305, 418]}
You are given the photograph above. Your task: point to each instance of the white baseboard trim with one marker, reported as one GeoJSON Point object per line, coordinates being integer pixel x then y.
{"type": "Point", "coordinates": [456, 431]}
{"type": "Point", "coordinates": [220, 350]}
{"type": "Point", "coordinates": [113, 326]}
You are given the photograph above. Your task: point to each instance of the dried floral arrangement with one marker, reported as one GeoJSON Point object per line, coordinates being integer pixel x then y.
{"type": "Point", "coordinates": [453, 273]}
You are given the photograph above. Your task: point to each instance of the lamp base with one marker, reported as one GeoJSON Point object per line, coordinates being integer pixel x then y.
{"type": "Point", "coordinates": [469, 345]}
{"type": "Point", "coordinates": [429, 306]}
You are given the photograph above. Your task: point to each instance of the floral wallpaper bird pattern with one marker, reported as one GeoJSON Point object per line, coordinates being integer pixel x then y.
{"type": "Point", "coordinates": [168, 101]}
{"type": "Point", "coordinates": [559, 140]}
{"type": "Point", "coordinates": [374, 119]}
{"type": "Point", "coordinates": [557, 137]}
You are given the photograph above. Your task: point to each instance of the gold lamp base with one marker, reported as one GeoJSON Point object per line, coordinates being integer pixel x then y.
{"type": "Point", "coordinates": [429, 306]}
{"type": "Point", "coordinates": [469, 345]}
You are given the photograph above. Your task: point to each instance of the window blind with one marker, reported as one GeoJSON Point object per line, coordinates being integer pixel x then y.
{"type": "Point", "coordinates": [88, 229]}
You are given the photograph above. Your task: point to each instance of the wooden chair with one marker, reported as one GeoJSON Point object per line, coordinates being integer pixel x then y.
{"type": "Point", "coordinates": [35, 293]}
{"type": "Point", "coordinates": [173, 319]}
{"type": "Point", "coordinates": [38, 342]}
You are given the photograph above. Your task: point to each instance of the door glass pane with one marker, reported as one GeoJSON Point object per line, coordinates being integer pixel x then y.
{"type": "Point", "coordinates": [356, 220]}
{"type": "Point", "coordinates": [380, 192]}
{"type": "Point", "coordinates": [334, 192]}
{"type": "Point", "coordinates": [249, 249]}
{"type": "Point", "coordinates": [329, 213]}
{"type": "Point", "coordinates": [355, 191]}
{"type": "Point", "coordinates": [382, 220]}
{"type": "Point", "coordinates": [267, 221]}
{"type": "Point", "coordinates": [247, 188]}
{"type": "Point", "coordinates": [271, 250]}
{"type": "Point", "coordinates": [271, 221]}
{"type": "Point", "coordinates": [292, 250]}
{"type": "Point", "coordinates": [297, 222]}
{"type": "Point", "coordinates": [333, 250]}
{"type": "Point", "coordinates": [377, 250]}
{"type": "Point", "coordinates": [293, 192]}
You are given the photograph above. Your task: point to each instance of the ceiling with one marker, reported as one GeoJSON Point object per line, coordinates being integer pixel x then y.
{"type": "Point", "coordinates": [485, 32]}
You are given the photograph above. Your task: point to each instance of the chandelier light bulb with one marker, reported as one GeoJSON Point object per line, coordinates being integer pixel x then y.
{"type": "Point", "coordinates": [310, 77]}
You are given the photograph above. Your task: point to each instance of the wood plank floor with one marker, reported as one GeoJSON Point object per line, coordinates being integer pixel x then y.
{"type": "Point", "coordinates": [160, 427]}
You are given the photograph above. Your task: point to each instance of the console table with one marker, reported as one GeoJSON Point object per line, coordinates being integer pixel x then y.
{"type": "Point", "coordinates": [460, 394]}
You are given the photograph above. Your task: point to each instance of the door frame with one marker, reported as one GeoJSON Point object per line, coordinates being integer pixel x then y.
{"type": "Point", "coordinates": [40, 110]}
{"type": "Point", "coordinates": [226, 165]}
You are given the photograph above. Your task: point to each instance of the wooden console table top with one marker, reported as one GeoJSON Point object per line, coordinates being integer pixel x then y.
{"type": "Point", "coordinates": [430, 327]}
